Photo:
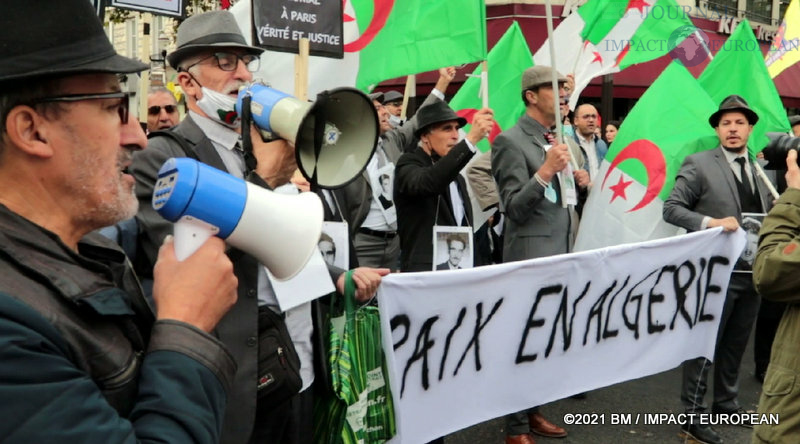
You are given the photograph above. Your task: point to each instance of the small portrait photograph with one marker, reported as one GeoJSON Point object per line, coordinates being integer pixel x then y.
{"type": "Point", "coordinates": [382, 191]}
{"type": "Point", "coordinates": [453, 248]}
{"type": "Point", "coordinates": [333, 244]}
{"type": "Point", "coordinates": [751, 224]}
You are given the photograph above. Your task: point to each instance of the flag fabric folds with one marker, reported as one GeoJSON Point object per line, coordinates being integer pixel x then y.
{"type": "Point", "coordinates": [607, 36]}
{"type": "Point", "coordinates": [509, 57]}
{"type": "Point", "coordinates": [739, 68]}
{"type": "Point", "coordinates": [418, 36]}
{"type": "Point", "coordinates": [785, 49]}
{"type": "Point", "coordinates": [626, 201]}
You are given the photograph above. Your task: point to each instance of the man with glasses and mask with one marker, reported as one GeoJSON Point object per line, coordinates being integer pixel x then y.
{"type": "Point", "coordinates": [213, 61]}
{"type": "Point", "coordinates": [162, 110]}
{"type": "Point", "coordinates": [83, 356]}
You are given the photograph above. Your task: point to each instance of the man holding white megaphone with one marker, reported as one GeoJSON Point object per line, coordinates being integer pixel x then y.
{"type": "Point", "coordinates": [214, 62]}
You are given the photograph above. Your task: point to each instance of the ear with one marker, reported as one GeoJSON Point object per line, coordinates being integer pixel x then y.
{"type": "Point", "coordinates": [30, 131]}
{"type": "Point", "coordinates": [188, 84]}
{"type": "Point", "coordinates": [532, 96]}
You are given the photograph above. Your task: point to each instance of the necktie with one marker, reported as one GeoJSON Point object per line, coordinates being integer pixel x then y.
{"type": "Point", "coordinates": [745, 180]}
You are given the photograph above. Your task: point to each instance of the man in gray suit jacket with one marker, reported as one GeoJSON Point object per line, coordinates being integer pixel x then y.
{"type": "Point", "coordinates": [713, 188]}
{"type": "Point", "coordinates": [536, 222]}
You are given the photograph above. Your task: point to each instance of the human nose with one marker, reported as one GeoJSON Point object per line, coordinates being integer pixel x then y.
{"type": "Point", "coordinates": [242, 73]}
{"type": "Point", "coordinates": [132, 135]}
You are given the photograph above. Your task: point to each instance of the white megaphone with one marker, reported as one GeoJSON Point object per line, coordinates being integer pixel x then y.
{"type": "Point", "coordinates": [334, 137]}
{"type": "Point", "coordinates": [281, 231]}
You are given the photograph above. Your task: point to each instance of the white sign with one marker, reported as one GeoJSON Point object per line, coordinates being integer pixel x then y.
{"type": "Point", "coordinates": [468, 346]}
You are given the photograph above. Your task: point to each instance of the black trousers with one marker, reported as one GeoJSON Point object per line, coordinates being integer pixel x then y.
{"type": "Point", "coordinates": [738, 315]}
{"type": "Point", "coordinates": [290, 423]}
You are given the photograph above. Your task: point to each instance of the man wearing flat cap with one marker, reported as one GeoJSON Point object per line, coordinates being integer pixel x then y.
{"type": "Point", "coordinates": [84, 357]}
{"type": "Point", "coordinates": [213, 61]}
{"type": "Point", "coordinates": [393, 101]}
{"type": "Point", "coordinates": [428, 187]}
{"type": "Point", "coordinates": [529, 172]}
{"type": "Point", "coordinates": [712, 189]}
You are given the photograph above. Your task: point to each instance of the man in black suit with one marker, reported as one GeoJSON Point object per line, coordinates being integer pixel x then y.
{"type": "Point", "coordinates": [455, 252]}
{"type": "Point", "coordinates": [713, 188]}
{"type": "Point", "coordinates": [428, 187]}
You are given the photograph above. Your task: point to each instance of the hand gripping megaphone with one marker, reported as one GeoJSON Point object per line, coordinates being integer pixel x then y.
{"type": "Point", "coordinates": [279, 230]}
{"type": "Point", "coordinates": [334, 137]}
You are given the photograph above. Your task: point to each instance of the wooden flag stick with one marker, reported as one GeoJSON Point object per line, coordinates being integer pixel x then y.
{"type": "Point", "coordinates": [411, 86]}
{"type": "Point", "coordinates": [301, 71]}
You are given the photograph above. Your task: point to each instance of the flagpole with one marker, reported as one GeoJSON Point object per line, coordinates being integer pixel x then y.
{"type": "Point", "coordinates": [554, 79]}
{"type": "Point", "coordinates": [485, 84]}
{"type": "Point", "coordinates": [411, 82]}
{"type": "Point", "coordinates": [763, 176]}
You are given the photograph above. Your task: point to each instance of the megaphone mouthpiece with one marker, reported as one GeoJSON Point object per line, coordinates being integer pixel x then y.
{"type": "Point", "coordinates": [280, 231]}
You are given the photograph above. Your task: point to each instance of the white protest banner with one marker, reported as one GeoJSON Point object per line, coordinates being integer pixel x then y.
{"type": "Point", "coordinates": [465, 346]}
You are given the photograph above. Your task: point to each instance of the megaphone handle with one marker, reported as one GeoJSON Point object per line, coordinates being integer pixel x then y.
{"type": "Point", "coordinates": [190, 234]}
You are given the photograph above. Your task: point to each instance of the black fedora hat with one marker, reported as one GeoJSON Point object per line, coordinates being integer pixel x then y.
{"type": "Point", "coordinates": [212, 29]}
{"type": "Point", "coordinates": [436, 112]}
{"type": "Point", "coordinates": [45, 38]}
{"type": "Point", "coordinates": [730, 104]}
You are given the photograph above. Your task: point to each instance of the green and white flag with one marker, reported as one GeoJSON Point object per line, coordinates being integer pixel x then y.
{"type": "Point", "coordinates": [739, 68]}
{"type": "Point", "coordinates": [626, 201]}
{"type": "Point", "coordinates": [607, 36]}
{"type": "Point", "coordinates": [506, 62]}
{"type": "Point", "coordinates": [383, 39]}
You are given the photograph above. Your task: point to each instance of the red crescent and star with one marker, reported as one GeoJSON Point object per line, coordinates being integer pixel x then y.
{"type": "Point", "coordinates": [381, 11]}
{"type": "Point", "coordinates": [469, 113]}
{"type": "Point", "coordinates": [653, 161]}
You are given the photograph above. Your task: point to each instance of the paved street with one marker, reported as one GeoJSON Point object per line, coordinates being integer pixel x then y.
{"type": "Point", "coordinates": [654, 394]}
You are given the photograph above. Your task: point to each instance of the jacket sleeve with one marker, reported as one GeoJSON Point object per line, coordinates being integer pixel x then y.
{"type": "Point", "coordinates": [152, 227]}
{"type": "Point", "coordinates": [181, 387]}
{"type": "Point", "coordinates": [413, 178]}
{"type": "Point", "coordinates": [519, 192]}
{"type": "Point", "coordinates": [778, 259]}
{"type": "Point", "coordinates": [678, 208]}
{"type": "Point", "coordinates": [479, 176]}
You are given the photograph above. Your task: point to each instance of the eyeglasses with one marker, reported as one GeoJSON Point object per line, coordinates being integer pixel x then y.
{"type": "Point", "coordinates": [228, 61]}
{"type": "Point", "coordinates": [154, 110]}
{"type": "Point", "coordinates": [122, 106]}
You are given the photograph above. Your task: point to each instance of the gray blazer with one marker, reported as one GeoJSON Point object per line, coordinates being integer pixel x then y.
{"type": "Point", "coordinates": [355, 197]}
{"type": "Point", "coordinates": [534, 226]}
{"type": "Point", "coordinates": [706, 186]}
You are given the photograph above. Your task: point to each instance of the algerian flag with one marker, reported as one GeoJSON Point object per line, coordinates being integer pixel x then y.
{"type": "Point", "coordinates": [785, 49]}
{"type": "Point", "coordinates": [607, 36]}
{"type": "Point", "coordinates": [626, 201]}
{"type": "Point", "coordinates": [509, 57]}
{"type": "Point", "coordinates": [739, 69]}
{"type": "Point", "coordinates": [383, 39]}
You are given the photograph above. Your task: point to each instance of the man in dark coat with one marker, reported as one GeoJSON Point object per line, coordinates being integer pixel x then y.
{"type": "Point", "coordinates": [428, 187]}
{"type": "Point", "coordinates": [83, 356]}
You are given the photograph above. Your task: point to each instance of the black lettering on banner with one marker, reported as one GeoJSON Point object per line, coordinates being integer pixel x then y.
{"type": "Point", "coordinates": [714, 260]}
{"type": "Point", "coordinates": [461, 315]}
{"type": "Point", "coordinates": [681, 291]}
{"type": "Point", "coordinates": [475, 336]}
{"type": "Point", "coordinates": [397, 321]}
{"type": "Point", "coordinates": [606, 332]}
{"type": "Point", "coordinates": [566, 327]}
{"type": "Point", "coordinates": [534, 323]}
{"type": "Point", "coordinates": [634, 326]}
{"type": "Point", "coordinates": [656, 298]}
{"type": "Point", "coordinates": [424, 343]}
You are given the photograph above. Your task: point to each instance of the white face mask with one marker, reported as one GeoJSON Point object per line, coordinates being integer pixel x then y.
{"type": "Point", "coordinates": [219, 107]}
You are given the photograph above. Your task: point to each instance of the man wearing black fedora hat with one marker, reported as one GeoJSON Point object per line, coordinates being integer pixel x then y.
{"type": "Point", "coordinates": [213, 61]}
{"type": "Point", "coordinates": [712, 189]}
{"type": "Point", "coordinates": [83, 357]}
{"type": "Point", "coordinates": [428, 187]}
